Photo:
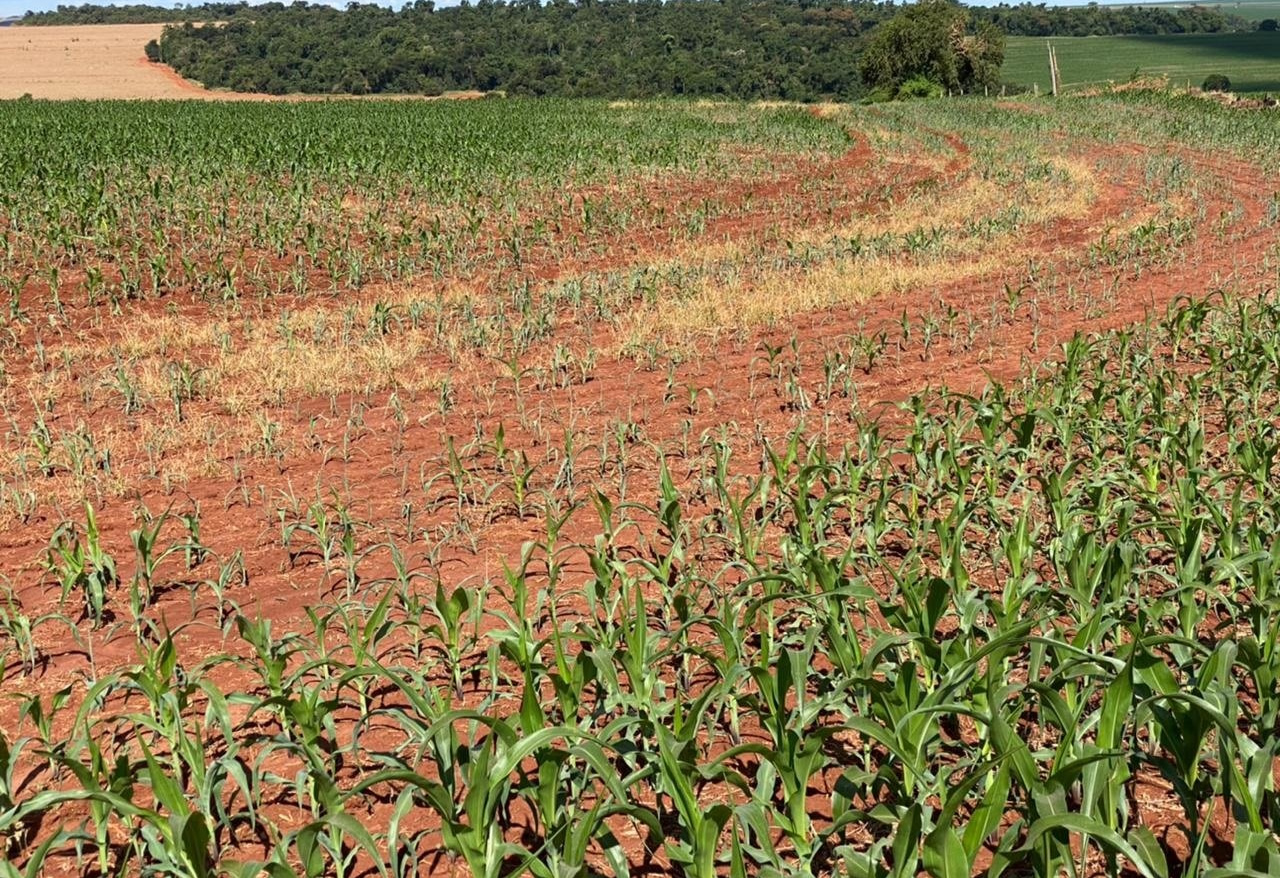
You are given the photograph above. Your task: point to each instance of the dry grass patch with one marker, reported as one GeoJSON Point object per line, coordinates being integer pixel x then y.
{"type": "Point", "coordinates": [750, 299]}
{"type": "Point", "coordinates": [715, 309]}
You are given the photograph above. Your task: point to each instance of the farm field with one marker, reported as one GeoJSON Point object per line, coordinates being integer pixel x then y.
{"type": "Point", "coordinates": [85, 62]}
{"type": "Point", "coordinates": [672, 488]}
{"type": "Point", "coordinates": [1250, 60]}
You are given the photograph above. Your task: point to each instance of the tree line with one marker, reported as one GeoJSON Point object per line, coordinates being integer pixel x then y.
{"type": "Point", "coordinates": [134, 13]}
{"type": "Point", "coordinates": [1023, 19]}
{"type": "Point", "coordinates": [800, 50]}
{"type": "Point", "coordinates": [788, 49]}
{"type": "Point", "coordinates": [1026, 20]}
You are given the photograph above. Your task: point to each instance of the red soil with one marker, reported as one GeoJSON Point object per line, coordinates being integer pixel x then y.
{"type": "Point", "coordinates": [619, 390]}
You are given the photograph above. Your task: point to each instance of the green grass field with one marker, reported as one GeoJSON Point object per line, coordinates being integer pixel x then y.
{"type": "Point", "coordinates": [1250, 60]}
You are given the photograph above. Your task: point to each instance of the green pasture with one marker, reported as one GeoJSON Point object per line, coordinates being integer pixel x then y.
{"type": "Point", "coordinates": [1250, 60]}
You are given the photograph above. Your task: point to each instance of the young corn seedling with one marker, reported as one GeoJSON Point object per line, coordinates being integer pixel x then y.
{"type": "Point", "coordinates": [82, 566]}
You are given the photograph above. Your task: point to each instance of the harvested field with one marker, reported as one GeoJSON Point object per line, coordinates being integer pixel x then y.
{"type": "Point", "coordinates": [85, 62]}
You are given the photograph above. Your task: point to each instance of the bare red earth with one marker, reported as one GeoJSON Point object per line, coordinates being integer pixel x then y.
{"type": "Point", "coordinates": [620, 390]}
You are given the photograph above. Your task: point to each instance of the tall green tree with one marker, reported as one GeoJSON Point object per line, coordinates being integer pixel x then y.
{"type": "Point", "coordinates": [790, 49]}
{"type": "Point", "coordinates": [934, 40]}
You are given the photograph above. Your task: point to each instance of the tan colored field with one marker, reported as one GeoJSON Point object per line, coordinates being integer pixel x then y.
{"type": "Point", "coordinates": [86, 61]}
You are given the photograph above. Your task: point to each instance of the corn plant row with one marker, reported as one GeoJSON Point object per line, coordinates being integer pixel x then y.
{"type": "Point", "coordinates": [980, 642]}
{"type": "Point", "coordinates": [109, 202]}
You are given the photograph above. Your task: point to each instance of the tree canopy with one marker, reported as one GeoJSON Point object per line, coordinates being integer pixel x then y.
{"type": "Point", "coordinates": [933, 40]}
{"type": "Point", "coordinates": [134, 13]}
{"type": "Point", "coordinates": [1093, 20]}
{"type": "Point", "coordinates": [625, 48]}
{"type": "Point", "coordinates": [789, 49]}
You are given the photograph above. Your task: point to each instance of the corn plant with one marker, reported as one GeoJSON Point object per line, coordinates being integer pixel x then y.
{"type": "Point", "coordinates": [82, 566]}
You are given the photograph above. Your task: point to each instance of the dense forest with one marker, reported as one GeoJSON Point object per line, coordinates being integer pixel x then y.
{"type": "Point", "coordinates": [625, 48]}
{"type": "Point", "coordinates": [1024, 19]}
{"type": "Point", "coordinates": [135, 13]}
{"type": "Point", "coordinates": [788, 49]}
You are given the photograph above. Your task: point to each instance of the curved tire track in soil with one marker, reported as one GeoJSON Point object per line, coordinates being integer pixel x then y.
{"type": "Point", "coordinates": [620, 390]}
{"type": "Point", "coordinates": [230, 526]}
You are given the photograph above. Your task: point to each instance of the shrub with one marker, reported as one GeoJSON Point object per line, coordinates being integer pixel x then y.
{"type": "Point", "coordinates": [1268, 24]}
{"type": "Point", "coordinates": [919, 87]}
{"type": "Point", "coordinates": [1216, 82]}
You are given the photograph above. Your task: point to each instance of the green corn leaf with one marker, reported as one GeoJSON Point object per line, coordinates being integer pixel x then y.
{"type": "Point", "coordinates": [167, 791]}
{"type": "Point", "coordinates": [906, 842]}
{"type": "Point", "coordinates": [944, 855]}
{"type": "Point", "coordinates": [1117, 706]}
{"type": "Point", "coordinates": [1095, 829]}
{"type": "Point", "coordinates": [311, 852]}
{"type": "Point", "coordinates": [986, 818]}
{"type": "Point", "coordinates": [195, 839]}
{"type": "Point", "coordinates": [1144, 842]}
